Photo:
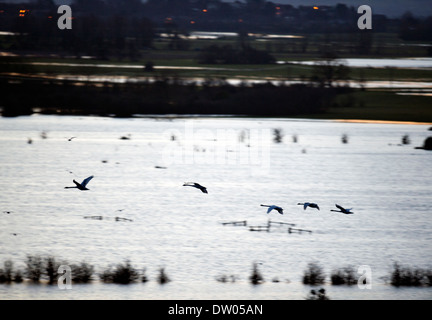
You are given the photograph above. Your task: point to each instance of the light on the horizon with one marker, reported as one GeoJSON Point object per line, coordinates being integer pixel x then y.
{"type": "Point", "coordinates": [315, 8]}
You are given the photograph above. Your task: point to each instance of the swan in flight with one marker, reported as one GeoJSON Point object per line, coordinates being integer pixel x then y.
{"type": "Point", "coordinates": [196, 185]}
{"type": "Point", "coordinates": [82, 185]}
{"type": "Point", "coordinates": [342, 209]}
{"type": "Point", "coordinates": [270, 208]}
{"type": "Point", "coordinates": [309, 204]}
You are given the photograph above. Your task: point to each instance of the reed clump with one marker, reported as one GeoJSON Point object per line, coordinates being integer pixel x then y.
{"type": "Point", "coordinates": [314, 274]}
{"type": "Point", "coordinates": [8, 274]}
{"type": "Point", "coordinates": [82, 273]}
{"type": "Point", "coordinates": [278, 135]}
{"type": "Point", "coordinates": [34, 268]}
{"type": "Point", "coordinates": [410, 276]}
{"type": "Point", "coordinates": [343, 276]}
{"type": "Point", "coordinates": [162, 277]}
{"type": "Point", "coordinates": [123, 273]}
{"type": "Point", "coordinates": [256, 276]}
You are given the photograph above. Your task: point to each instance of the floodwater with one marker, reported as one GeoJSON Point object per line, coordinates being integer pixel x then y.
{"type": "Point", "coordinates": [404, 63]}
{"type": "Point", "coordinates": [141, 176]}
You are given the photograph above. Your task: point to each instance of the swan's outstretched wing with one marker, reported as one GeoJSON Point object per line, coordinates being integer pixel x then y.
{"type": "Point", "coordinates": [196, 185]}
{"type": "Point", "coordinates": [340, 207]}
{"type": "Point", "coordinates": [86, 181]}
{"type": "Point", "coordinates": [270, 208]}
{"type": "Point", "coordinates": [305, 205]}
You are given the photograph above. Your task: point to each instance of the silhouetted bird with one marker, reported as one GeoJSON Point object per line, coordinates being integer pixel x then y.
{"type": "Point", "coordinates": [196, 185]}
{"type": "Point", "coordinates": [122, 219]}
{"type": "Point", "coordinates": [70, 139]}
{"type": "Point", "coordinates": [309, 204]}
{"type": "Point", "coordinates": [7, 212]}
{"type": "Point", "coordinates": [82, 185]}
{"type": "Point", "coordinates": [343, 210]}
{"type": "Point", "coordinates": [270, 208]}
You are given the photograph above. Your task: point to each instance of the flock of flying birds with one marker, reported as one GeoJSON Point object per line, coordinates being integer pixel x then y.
{"type": "Point", "coordinates": [83, 186]}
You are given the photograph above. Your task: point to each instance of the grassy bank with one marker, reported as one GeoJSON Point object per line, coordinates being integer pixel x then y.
{"type": "Point", "coordinates": [383, 105]}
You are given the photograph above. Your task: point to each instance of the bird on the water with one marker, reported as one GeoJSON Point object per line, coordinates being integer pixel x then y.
{"type": "Point", "coordinates": [195, 185]}
{"type": "Point", "coordinates": [270, 208]}
{"type": "Point", "coordinates": [309, 204]}
{"type": "Point", "coordinates": [82, 185]}
{"type": "Point", "coordinates": [342, 209]}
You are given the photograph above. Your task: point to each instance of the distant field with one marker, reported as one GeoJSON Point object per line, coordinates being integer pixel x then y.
{"type": "Point", "coordinates": [369, 104]}
{"type": "Point", "coordinates": [129, 68]}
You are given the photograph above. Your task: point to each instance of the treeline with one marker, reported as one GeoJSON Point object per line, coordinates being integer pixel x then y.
{"type": "Point", "coordinates": [415, 29]}
{"type": "Point", "coordinates": [161, 96]}
{"type": "Point", "coordinates": [112, 35]}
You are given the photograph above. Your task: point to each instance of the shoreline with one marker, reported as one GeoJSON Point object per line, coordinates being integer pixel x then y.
{"type": "Point", "coordinates": [382, 121]}
{"type": "Point", "coordinates": [228, 116]}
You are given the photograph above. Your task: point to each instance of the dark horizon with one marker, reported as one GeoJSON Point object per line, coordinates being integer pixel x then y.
{"type": "Point", "coordinates": [394, 9]}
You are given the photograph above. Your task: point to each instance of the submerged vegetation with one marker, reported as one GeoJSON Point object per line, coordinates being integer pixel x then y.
{"type": "Point", "coordinates": [256, 276]}
{"type": "Point", "coordinates": [314, 274]}
{"type": "Point", "coordinates": [343, 276]}
{"type": "Point", "coordinates": [45, 270]}
{"type": "Point", "coordinates": [123, 274]}
{"type": "Point", "coordinates": [410, 276]}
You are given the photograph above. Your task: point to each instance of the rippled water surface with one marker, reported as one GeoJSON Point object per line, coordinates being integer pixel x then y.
{"type": "Point", "coordinates": [180, 228]}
